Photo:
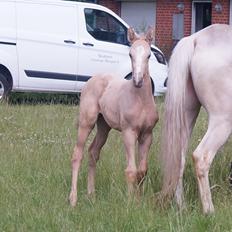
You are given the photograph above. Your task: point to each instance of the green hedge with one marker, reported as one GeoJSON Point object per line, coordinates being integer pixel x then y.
{"type": "Point", "coordinates": [43, 98]}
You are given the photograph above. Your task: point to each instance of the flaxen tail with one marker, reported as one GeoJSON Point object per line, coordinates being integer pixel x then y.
{"type": "Point", "coordinates": [175, 133]}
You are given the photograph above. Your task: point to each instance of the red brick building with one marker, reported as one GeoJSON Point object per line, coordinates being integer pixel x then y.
{"type": "Point", "coordinates": [173, 18]}
{"type": "Point", "coordinates": [196, 15]}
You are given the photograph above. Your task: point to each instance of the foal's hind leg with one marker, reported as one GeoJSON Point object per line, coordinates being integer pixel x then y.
{"type": "Point", "coordinates": [83, 133]}
{"type": "Point", "coordinates": [94, 151]}
{"type": "Point", "coordinates": [216, 135]}
{"type": "Point", "coordinates": [88, 117]}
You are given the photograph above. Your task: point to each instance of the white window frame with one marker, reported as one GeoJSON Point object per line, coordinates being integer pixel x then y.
{"type": "Point", "coordinates": [193, 28]}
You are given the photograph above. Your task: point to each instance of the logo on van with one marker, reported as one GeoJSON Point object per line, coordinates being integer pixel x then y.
{"type": "Point", "coordinates": [105, 59]}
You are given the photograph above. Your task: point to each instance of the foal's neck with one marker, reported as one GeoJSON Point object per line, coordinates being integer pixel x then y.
{"type": "Point", "coordinates": [146, 89]}
{"type": "Point", "coordinates": [145, 92]}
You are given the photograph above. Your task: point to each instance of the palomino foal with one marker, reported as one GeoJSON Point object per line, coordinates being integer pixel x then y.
{"type": "Point", "coordinates": [125, 105]}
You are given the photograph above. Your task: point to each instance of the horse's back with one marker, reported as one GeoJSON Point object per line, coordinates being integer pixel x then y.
{"type": "Point", "coordinates": [213, 45]}
{"type": "Point", "coordinates": [211, 66]}
{"type": "Point", "coordinates": [214, 35]}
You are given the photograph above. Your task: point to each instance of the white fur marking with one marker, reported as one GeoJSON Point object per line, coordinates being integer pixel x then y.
{"type": "Point", "coordinates": [140, 52]}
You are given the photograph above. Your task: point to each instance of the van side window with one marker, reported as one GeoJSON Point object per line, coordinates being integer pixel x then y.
{"type": "Point", "coordinates": [103, 26]}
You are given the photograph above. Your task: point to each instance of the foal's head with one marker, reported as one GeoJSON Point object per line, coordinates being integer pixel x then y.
{"type": "Point", "coordinates": [140, 53]}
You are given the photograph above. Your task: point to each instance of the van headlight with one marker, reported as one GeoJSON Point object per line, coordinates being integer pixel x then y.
{"type": "Point", "coordinates": [159, 56]}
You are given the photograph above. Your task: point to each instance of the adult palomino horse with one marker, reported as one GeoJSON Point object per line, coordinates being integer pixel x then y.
{"type": "Point", "coordinates": [200, 74]}
{"type": "Point", "coordinates": [125, 105]}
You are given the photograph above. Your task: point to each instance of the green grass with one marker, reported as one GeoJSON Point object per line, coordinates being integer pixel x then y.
{"type": "Point", "coordinates": [36, 143]}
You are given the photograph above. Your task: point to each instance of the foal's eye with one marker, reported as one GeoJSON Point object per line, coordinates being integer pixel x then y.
{"type": "Point", "coordinates": [130, 55]}
{"type": "Point", "coordinates": [149, 56]}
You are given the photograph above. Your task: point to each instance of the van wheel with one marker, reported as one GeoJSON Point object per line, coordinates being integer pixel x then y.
{"type": "Point", "coordinates": [4, 87]}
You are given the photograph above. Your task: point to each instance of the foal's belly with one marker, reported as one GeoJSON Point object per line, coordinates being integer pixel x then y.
{"type": "Point", "coordinates": [110, 111]}
{"type": "Point", "coordinates": [120, 118]}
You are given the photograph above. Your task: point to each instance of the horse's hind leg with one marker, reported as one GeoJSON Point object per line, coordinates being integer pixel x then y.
{"type": "Point", "coordinates": [179, 193]}
{"type": "Point", "coordinates": [144, 144]}
{"type": "Point", "coordinates": [218, 132]}
{"type": "Point", "coordinates": [192, 108]}
{"type": "Point", "coordinates": [94, 151]}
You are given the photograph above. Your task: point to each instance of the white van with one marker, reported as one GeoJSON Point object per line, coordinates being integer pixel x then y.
{"type": "Point", "coordinates": [56, 46]}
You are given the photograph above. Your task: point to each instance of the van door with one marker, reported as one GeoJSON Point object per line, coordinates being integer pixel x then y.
{"type": "Point", "coordinates": [46, 44]}
{"type": "Point", "coordinates": [103, 45]}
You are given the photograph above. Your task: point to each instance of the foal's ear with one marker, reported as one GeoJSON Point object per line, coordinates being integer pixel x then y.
{"type": "Point", "coordinates": [131, 35]}
{"type": "Point", "coordinates": [150, 35]}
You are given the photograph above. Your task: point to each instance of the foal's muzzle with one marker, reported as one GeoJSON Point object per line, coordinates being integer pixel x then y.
{"type": "Point", "coordinates": [138, 84]}
{"type": "Point", "coordinates": [137, 79]}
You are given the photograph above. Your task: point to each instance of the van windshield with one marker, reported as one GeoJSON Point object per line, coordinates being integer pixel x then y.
{"type": "Point", "coordinates": [103, 26]}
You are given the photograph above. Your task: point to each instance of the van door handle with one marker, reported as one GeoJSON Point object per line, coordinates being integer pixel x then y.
{"type": "Point", "coordinates": [69, 41]}
{"type": "Point", "coordinates": [88, 44]}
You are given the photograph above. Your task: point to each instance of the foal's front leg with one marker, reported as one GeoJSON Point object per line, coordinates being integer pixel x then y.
{"type": "Point", "coordinates": [129, 139]}
{"type": "Point", "coordinates": [144, 145]}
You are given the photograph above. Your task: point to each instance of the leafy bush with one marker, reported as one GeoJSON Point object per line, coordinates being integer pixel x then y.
{"type": "Point", "coordinates": [43, 98]}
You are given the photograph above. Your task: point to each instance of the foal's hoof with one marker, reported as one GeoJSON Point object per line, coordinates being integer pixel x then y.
{"type": "Point", "coordinates": [209, 211]}
{"type": "Point", "coordinates": [73, 199]}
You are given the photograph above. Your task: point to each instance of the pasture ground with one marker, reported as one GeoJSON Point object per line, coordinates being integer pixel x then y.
{"type": "Point", "coordinates": [36, 143]}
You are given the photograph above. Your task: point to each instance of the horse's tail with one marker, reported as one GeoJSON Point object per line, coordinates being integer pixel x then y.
{"type": "Point", "coordinates": [175, 133]}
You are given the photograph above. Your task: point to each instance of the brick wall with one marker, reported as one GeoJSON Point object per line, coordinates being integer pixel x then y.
{"type": "Point", "coordinates": [222, 17]}
{"type": "Point", "coordinates": [164, 14]}
{"type": "Point", "coordinates": [111, 4]}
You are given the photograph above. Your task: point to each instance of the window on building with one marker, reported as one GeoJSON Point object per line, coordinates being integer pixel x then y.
{"type": "Point", "coordinates": [202, 15]}
{"type": "Point", "coordinates": [103, 26]}
{"type": "Point", "coordinates": [139, 14]}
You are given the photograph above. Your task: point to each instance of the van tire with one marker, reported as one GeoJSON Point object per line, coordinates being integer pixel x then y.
{"type": "Point", "coordinates": [4, 87]}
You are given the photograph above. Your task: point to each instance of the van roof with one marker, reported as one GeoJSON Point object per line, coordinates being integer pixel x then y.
{"type": "Point", "coordinates": [84, 4]}
{"type": "Point", "coordinates": [57, 1]}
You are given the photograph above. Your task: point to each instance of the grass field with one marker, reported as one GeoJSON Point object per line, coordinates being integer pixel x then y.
{"type": "Point", "coordinates": [36, 142]}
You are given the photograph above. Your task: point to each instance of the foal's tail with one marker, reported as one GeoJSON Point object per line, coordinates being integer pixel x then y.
{"type": "Point", "coordinates": [175, 134]}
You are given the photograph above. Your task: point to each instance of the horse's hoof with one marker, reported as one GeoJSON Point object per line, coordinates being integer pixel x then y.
{"type": "Point", "coordinates": [73, 200]}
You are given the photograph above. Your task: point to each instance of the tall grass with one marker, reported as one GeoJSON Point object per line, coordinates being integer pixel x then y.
{"type": "Point", "coordinates": [36, 143]}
